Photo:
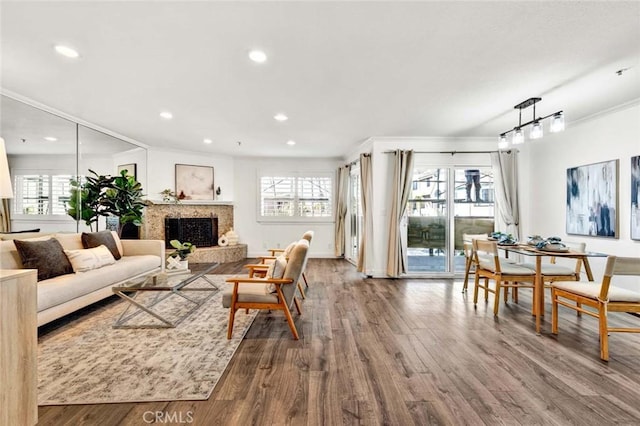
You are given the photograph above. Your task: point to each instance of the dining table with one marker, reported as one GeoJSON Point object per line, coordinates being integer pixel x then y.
{"type": "Point", "coordinates": [538, 291]}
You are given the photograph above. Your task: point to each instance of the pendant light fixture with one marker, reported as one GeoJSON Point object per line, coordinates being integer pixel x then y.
{"type": "Point", "coordinates": [536, 131]}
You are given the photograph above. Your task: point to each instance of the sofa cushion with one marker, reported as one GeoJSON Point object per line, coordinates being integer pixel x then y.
{"type": "Point", "coordinates": [95, 239]}
{"type": "Point", "coordinates": [69, 240]}
{"type": "Point", "coordinates": [46, 256]}
{"type": "Point", "coordinates": [88, 259]}
{"type": "Point", "coordinates": [22, 235]}
{"type": "Point", "coordinates": [61, 289]}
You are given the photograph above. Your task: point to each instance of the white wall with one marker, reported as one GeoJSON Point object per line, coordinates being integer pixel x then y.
{"type": "Point", "coordinates": [609, 136]}
{"type": "Point", "coordinates": [260, 236]}
{"type": "Point", "coordinates": [161, 170]}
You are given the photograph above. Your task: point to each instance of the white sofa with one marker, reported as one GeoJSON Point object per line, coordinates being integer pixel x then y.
{"type": "Point", "coordinates": [64, 294]}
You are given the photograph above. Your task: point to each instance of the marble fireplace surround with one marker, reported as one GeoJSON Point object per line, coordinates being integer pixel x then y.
{"type": "Point", "coordinates": [153, 227]}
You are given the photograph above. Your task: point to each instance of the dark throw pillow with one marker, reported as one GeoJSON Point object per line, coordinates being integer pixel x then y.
{"type": "Point", "coordinates": [46, 256]}
{"type": "Point", "coordinates": [95, 239]}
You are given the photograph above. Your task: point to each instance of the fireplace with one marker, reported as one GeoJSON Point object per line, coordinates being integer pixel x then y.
{"type": "Point", "coordinates": [199, 231]}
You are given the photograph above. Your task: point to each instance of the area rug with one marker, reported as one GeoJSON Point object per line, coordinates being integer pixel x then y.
{"type": "Point", "coordinates": [89, 362]}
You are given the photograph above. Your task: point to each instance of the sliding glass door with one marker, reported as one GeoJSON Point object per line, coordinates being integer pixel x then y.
{"type": "Point", "coordinates": [354, 231]}
{"type": "Point", "coordinates": [444, 204]}
{"type": "Point", "coordinates": [427, 225]}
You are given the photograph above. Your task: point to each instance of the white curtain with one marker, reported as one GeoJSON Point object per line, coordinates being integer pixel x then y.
{"type": "Point", "coordinates": [342, 180]}
{"type": "Point", "coordinates": [366, 194]}
{"type": "Point", "coordinates": [401, 187]}
{"type": "Point", "coordinates": [505, 177]}
{"type": "Point", "coordinates": [5, 216]}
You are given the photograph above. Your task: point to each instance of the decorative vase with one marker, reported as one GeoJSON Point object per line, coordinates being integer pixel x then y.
{"type": "Point", "coordinates": [222, 241]}
{"type": "Point", "coordinates": [232, 237]}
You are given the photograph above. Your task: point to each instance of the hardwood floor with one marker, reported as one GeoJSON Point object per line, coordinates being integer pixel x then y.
{"type": "Point", "coordinates": [402, 352]}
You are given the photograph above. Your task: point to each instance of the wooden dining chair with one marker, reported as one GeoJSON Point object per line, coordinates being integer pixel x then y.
{"type": "Point", "coordinates": [598, 299]}
{"type": "Point", "coordinates": [490, 267]}
{"type": "Point", "coordinates": [251, 292]}
{"type": "Point", "coordinates": [553, 271]}
{"type": "Point", "coordinates": [467, 247]}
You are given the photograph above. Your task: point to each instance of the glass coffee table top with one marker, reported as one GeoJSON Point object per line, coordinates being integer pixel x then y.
{"type": "Point", "coordinates": [148, 295]}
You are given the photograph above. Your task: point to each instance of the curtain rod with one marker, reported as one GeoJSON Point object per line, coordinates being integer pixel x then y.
{"type": "Point", "coordinates": [451, 152]}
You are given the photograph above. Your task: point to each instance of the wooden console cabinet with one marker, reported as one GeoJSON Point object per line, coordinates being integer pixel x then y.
{"type": "Point", "coordinates": [18, 347]}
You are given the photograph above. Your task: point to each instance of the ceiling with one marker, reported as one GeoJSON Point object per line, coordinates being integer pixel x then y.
{"type": "Point", "coordinates": [341, 71]}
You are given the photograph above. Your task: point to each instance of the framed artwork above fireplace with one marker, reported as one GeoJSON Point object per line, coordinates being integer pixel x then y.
{"type": "Point", "coordinates": [194, 182]}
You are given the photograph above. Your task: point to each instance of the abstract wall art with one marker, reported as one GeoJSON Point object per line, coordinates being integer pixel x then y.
{"type": "Point", "coordinates": [592, 200]}
{"type": "Point", "coordinates": [194, 182]}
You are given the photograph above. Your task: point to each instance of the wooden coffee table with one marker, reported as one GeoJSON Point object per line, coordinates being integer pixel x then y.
{"type": "Point", "coordinates": [165, 285]}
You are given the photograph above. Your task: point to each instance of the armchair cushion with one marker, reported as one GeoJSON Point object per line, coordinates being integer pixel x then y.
{"type": "Point", "coordinates": [276, 270]}
{"type": "Point", "coordinates": [249, 293]}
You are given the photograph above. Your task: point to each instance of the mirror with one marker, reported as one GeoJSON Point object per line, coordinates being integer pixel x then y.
{"type": "Point", "coordinates": [46, 153]}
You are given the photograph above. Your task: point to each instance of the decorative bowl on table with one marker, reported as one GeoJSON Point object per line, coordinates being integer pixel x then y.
{"type": "Point", "coordinates": [533, 240]}
{"type": "Point", "coordinates": [507, 240]}
{"type": "Point", "coordinates": [551, 245]}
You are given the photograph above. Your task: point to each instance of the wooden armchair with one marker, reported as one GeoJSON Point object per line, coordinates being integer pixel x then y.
{"type": "Point", "coordinates": [599, 298]}
{"type": "Point", "coordinates": [273, 253]}
{"type": "Point", "coordinates": [250, 292]}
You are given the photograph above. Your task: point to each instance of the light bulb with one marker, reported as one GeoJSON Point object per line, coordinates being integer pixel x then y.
{"type": "Point", "coordinates": [557, 122]}
{"type": "Point", "coordinates": [258, 56]}
{"type": "Point", "coordinates": [536, 130]}
{"type": "Point", "coordinates": [503, 143]}
{"type": "Point", "coordinates": [518, 136]}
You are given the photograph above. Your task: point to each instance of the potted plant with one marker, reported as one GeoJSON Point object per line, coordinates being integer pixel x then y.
{"type": "Point", "coordinates": [123, 198]}
{"type": "Point", "coordinates": [182, 251]}
{"type": "Point", "coordinates": [105, 195]}
{"type": "Point", "coordinates": [170, 196]}
{"type": "Point", "coordinates": [84, 202]}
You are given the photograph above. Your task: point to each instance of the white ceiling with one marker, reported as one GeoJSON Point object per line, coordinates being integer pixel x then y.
{"type": "Point", "coordinates": [341, 71]}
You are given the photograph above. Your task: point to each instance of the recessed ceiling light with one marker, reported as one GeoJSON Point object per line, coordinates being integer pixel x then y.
{"type": "Point", "coordinates": [66, 51]}
{"type": "Point", "coordinates": [291, 143]}
{"type": "Point", "coordinates": [50, 139]}
{"type": "Point", "coordinates": [258, 56]}
{"type": "Point", "coordinates": [207, 141]}
{"type": "Point", "coordinates": [280, 117]}
{"type": "Point", "coordinates": [166, 115]}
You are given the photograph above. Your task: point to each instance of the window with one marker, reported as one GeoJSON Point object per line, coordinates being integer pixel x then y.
{"type": "Point", "coordinates": [291, 197]}
{"type": "Point", "coordinates": [41, 194]}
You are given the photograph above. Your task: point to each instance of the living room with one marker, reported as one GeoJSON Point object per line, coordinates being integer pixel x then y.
{"type": "Point", "coordinates": [440, 79]}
